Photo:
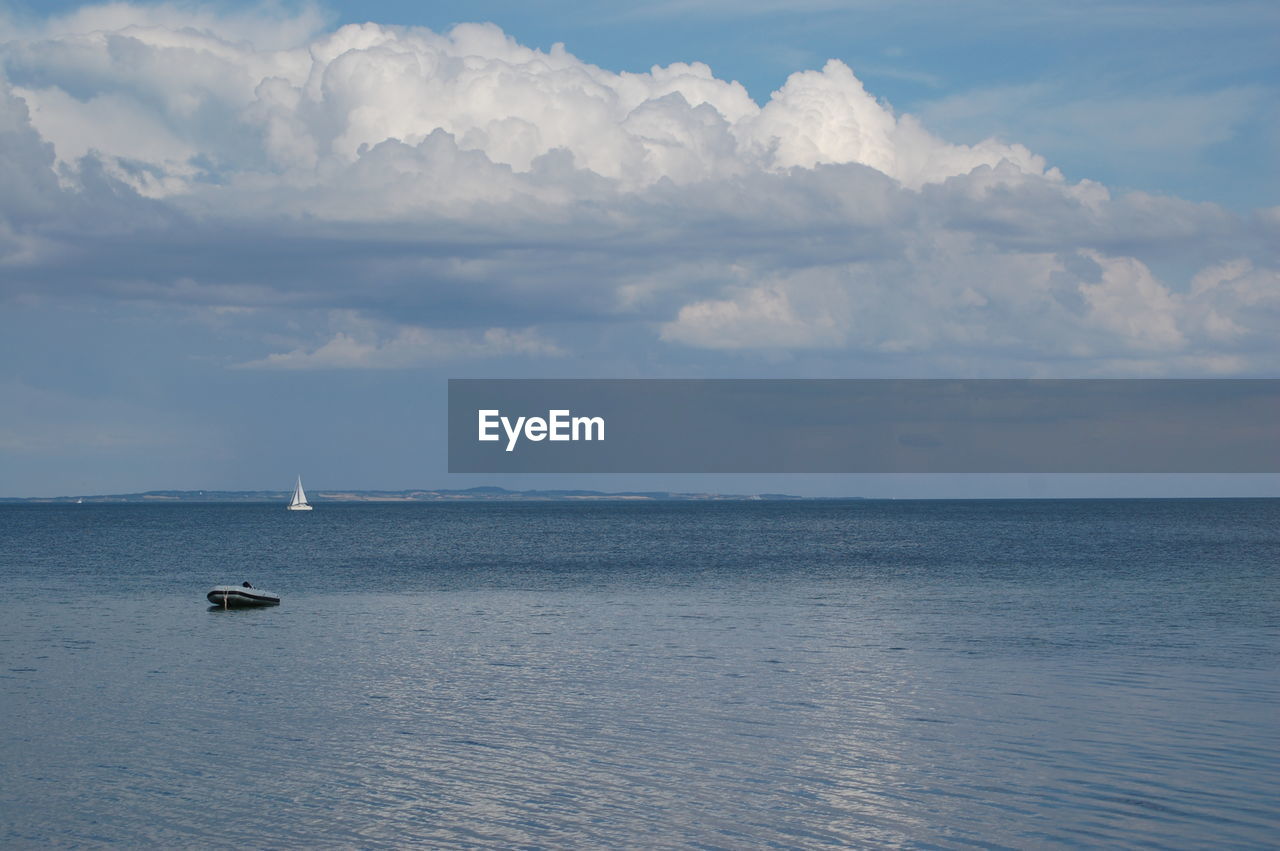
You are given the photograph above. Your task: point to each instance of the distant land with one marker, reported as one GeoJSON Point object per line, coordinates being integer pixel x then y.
{"type": "Point", "coordinates": [422, 495]}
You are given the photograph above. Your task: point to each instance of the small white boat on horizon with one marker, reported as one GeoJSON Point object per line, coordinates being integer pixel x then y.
{"type": "Point", "coordinates": [242, 596]}
{"type": "Point", "coordinates": [299, 501]}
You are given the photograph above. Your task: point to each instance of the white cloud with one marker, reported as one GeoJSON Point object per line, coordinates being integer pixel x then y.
{"type": "Point", "coordinates": [828, 117]}
{"type": "Point", "coordinates": [369, 345]}
{"type": "Point", "coordinates": [1132, 303]}
{"type": "Point", "coordinates": [167, 97]}
{"type": "Point", "coordinates": [138, 149]}
{"type": "Point", "coordinates": [411, 180]}
{"type": "Point", "coordinates": [1235, 302]}
{"type": "Point", "coordinates": [755, 318]}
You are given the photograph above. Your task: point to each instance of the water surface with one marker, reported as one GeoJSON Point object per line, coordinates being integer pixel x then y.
{"type": "Point", "coordinates": [711, 675]}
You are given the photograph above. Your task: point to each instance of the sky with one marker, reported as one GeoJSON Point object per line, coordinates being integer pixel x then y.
{"type": "Point", "coordinates": [243, 241]}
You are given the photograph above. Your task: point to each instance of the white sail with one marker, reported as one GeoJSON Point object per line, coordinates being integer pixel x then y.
{"type": "Point", "coordinates": [299, 501]}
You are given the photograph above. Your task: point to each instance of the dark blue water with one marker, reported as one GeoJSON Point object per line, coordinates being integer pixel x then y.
{"type": "Point", "coordinates": [709, 675]}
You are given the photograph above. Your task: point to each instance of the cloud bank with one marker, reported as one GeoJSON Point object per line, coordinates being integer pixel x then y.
{"type": "Point", "coordinates": [393, 197]}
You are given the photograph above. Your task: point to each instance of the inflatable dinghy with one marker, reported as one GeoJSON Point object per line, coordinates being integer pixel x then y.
{"type": "Point", "coordinates": [241, 596]}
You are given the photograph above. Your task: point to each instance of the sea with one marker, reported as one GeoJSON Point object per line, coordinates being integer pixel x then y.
{"type": "Point", "coordinates": [643, 674]}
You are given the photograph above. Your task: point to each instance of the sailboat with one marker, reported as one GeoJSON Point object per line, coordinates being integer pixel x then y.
{"type": "Point", "coordinates": [299, 501]}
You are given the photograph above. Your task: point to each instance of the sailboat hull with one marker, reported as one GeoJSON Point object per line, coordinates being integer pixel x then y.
{"type": "Point", "coordinates": [298, 507]}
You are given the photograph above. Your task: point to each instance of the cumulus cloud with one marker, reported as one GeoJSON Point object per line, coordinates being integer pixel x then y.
{"type": "Point", "coordinates": [180, 99]}
{"type": "Point", "coordinates": [449, 193]}
{"type": "Point", "coordinates": [759, 317]}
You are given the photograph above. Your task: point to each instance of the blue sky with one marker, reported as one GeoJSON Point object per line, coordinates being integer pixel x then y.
{"type": "Point", "coordinates": [241, 241]}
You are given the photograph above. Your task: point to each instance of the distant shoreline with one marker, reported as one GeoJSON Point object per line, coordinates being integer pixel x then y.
{"type": "Point", "coordinates": [476, 494]}
{"type": "Point", "coordinates": [496, 494]}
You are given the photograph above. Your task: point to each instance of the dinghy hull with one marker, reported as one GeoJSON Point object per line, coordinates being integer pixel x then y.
{"type": "Point", "coordinates": [238, 597]}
